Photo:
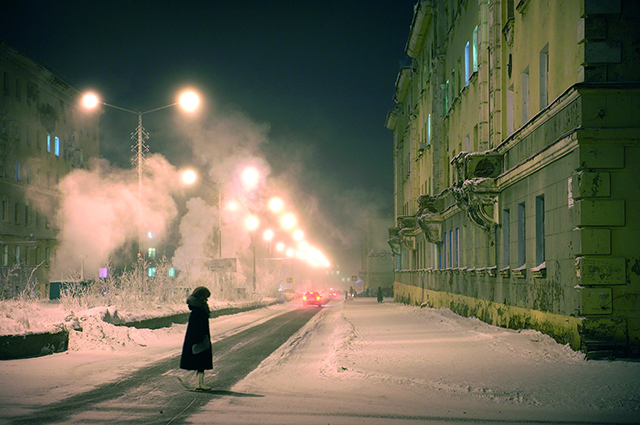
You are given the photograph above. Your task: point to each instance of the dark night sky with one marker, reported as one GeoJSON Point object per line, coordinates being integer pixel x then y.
{"type": "Point", "coordinates": [321, 74]}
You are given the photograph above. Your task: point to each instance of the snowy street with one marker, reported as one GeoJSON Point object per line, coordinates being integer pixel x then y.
{"type": "Point", "coordinates": [354, 362]}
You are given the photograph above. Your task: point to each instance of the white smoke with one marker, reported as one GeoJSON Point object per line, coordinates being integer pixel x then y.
{"type": "Point", "coordinates": [101, 210]}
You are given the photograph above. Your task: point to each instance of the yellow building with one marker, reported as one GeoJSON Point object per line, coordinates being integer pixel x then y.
{"type": "Point", "coordinates": [43, 136]}
{"type": "Point", "coordinates": [516, 139]}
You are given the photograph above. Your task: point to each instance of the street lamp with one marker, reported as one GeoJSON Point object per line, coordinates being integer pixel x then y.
{"type": "Point", "coordinates": [188, 101]}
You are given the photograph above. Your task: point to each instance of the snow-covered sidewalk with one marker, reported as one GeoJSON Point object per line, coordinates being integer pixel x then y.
{"type": "Point", "coordinates": [364, 362]}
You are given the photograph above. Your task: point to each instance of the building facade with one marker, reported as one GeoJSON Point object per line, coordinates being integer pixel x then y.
{"type": "Point", "coordinates": [516, 146]}
{"type": "Point", "coordinates": [43, 136]}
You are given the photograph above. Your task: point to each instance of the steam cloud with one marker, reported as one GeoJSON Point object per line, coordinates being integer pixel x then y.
{"type": "Point", "coordinates": [100, 209]}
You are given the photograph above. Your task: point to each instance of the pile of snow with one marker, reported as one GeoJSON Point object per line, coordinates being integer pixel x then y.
{"type": "Point", "coordinates": [24, 317]}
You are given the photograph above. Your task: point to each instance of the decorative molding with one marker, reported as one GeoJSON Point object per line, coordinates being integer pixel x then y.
{"type": "Point", "coordinates": [506, 272]}
{"type": "Point", "coordinates": [539, 272]}
{"type": "Point", "coordinates": [520, 272]}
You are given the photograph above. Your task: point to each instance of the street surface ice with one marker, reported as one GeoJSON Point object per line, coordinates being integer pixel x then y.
{"type": "Point", "coordinates": [356, 362]}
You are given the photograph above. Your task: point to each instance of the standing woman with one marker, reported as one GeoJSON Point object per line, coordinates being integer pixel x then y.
{"type": "Point", "coordinates": [196, 350]}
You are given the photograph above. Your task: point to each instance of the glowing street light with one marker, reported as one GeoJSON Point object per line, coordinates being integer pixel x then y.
{"type": "Point", "coordinates": [268, 235]}
{"type": "Point", "coordinates": [276, 204]}
{"type": "Point", "coordinates": [250, 177]}
{"type": "Point", "coordinates": [298, 235]}
{"type": "Point", "coordinates": [252, 222]}
{"type": "Point", "coordinates": [188, 177]}
{"type": "Point", "coordinates": [288, 221]}
{"type": "Point", "coordinates": [189, 101]}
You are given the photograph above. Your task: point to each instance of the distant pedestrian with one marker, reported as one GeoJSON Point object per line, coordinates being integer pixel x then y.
{"type": "Point", "coordinates": [196, 350]}
{"type": "Point", "coordinates": [380, 297]}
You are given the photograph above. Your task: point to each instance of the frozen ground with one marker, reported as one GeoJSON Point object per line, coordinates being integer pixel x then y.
{"type": "Point", "coordinates": [358, 362]}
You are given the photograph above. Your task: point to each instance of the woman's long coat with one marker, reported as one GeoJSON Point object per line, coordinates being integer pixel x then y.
{"type": "Point", "coordinates": [197, 331]}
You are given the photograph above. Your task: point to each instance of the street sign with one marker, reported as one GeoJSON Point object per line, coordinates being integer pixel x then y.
{"type": "Point", "coordinates": [354, 278]}
{"type": "Point", "coordinates": [225, 265]}
{"type": "Point", "coordinates": [289, 280]}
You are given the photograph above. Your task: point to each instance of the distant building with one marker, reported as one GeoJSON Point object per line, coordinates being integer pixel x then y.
{"type": "Point", "coordinates": [517, 142]}
{"type": "Point", "coordinates": [375, 257]}
{"type": "Point", "coordinates": [43, 136]}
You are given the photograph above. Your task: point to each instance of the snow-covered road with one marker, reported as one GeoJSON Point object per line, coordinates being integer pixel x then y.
{"type": "Point", "coordinates": [358, 362]}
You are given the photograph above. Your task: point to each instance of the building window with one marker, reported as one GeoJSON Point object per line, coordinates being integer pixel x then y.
{"type": "Point", "coordinates": [475, 49]}
{"type": "Point", "coordinates": [522, 235]}
{"type": "Point", "coordinates": [540, 239]}
{"type": "Point", "coordinates": [429, 130]}
{"type": "Point", "coordinates": [446, 98]}
{"type": "Point", "coordinates": [26, 215]}
{"type": "Point", "coordinates": [525, 96]}
{"type": "Point", "coordinates": [466, 64]}
{"type": "Point", "coordinates": [510, 110]}
{"type": "Point", "coordinates": [57, 146]}
{"type": "Point", "coordinates": [506, 238]}
{"type": "Point", "coordinates": [457, 250]}
{"type": "Point", "coordinates": [152, 271]}
{"type": "Point", "coordinates": [47, 255]}
{"type": "Point", "coordinates": [48, 142]}
{"type": "Point", "coordinates": [444, 249]}
{"type": "Point", "coordinates": [5, 208]}
{"type": "Point", "coordinates": [5, 255]}
{"type": "Point", "coordinates": [151, 253]}
{"type": "Point", "coordinates": [18, 171]}
{"type": "Point", "coordinates": [544, 77]}
{"type": "Point", "coordinates": [450, 248]}
{"type": "Point", "coordinates": [17, 252]}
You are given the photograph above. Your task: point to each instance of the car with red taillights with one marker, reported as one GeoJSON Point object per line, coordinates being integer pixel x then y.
{"type": "Point", "coordinates": [312, 298]}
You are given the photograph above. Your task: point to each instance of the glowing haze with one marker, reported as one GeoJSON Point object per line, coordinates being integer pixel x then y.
{"type": "Point", "coordinates": [100, 209]}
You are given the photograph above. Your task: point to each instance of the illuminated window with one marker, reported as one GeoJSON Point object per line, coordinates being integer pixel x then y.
{"type": "Point", "coordinates": [466, 64]}
{"type": "Point", "coordinates": [429, 129]}
{"type": "Point", "coordinates": [103, 272]}
{"type": "Point", "coordinates": [475, 49]}
{"type": "Point", "coordinates": [57, 146]}
{"type": "Point", "coordinates": [152, 253]}
{"type": "Point", "coordinates": [48, 142]}
{"type": "Point", "coordinates": [172, 272]}
{"type": "Point", "coordinates": [152, 271]}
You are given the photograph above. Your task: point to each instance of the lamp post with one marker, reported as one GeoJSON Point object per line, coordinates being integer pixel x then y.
{"type": "Point", "coordinates": [188, 101]}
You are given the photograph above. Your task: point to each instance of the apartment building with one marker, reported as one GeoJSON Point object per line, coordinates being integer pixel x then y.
{"type": "Point", "coordinates": [43, 136]}
{"type": "Point", "coordinates": [516, 143]}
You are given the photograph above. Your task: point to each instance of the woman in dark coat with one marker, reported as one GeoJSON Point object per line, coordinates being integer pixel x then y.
{"type": "Point", "coordinates": [196, 350]}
